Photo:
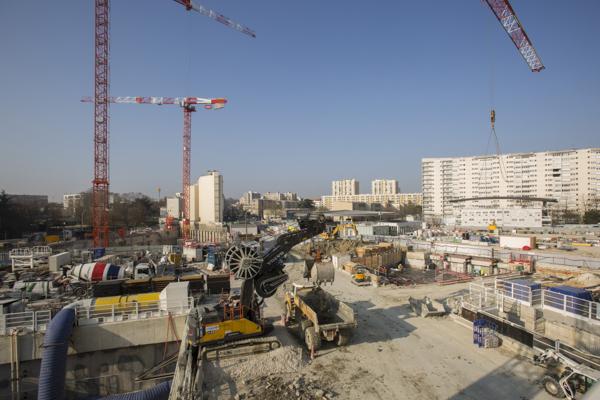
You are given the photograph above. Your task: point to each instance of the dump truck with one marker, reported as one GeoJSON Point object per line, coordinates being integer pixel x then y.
{"type": "Point", "coordinates": [318, 316]}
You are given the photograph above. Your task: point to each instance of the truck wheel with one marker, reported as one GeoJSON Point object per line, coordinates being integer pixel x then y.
{"type": "Point", "coordinates": [303, 324]}
{"type": "Point", "coordinates": [552, 386]}
{"type": "Point", "coordinates": [344, 337]}
{"type": "Point", "coordinates": [312, 339]}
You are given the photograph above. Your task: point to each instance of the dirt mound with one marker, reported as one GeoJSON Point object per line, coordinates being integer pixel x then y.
{"type": "Point", "coordinates": [278, 387]}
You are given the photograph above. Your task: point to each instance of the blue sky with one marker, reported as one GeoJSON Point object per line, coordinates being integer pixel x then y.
{"type": "Point", "coordinates": [327, 90]}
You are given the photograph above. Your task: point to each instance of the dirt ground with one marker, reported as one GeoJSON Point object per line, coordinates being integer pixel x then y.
{"type": "Point", "coordinates": [393, 355]}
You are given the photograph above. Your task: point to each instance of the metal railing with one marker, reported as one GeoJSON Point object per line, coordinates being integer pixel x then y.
{"type": "Point", "coordinates": [30, 321]}
{"type": "Point", "coordinates": [571, 305]}
{"type": "Point", "coordinates": [37, 321]}
{"type": "Point", "coordinates": [483, 296]}
{"type": "Point", "coordinates": [98, 314]}
{"type": "Point", "coordinates": [519, 292]}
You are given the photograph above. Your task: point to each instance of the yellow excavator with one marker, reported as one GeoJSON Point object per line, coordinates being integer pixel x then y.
{"type": "Point", "coordinates": [333, 234]}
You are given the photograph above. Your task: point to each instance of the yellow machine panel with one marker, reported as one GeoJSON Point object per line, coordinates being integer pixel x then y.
{"type": "Point", "coordinates": [124, 301]}
{"type": "Point", "coordinates": [219, 331]}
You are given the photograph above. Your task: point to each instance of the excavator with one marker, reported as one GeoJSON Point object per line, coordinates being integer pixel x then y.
{"type": "Point", "coordinates": [233, 325]}
{"type": "Point", "coordinates": [339, 228]}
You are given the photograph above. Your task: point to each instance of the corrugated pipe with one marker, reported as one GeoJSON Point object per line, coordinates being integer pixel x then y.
{"type": "Point", "coordinates": [51, 385]}
{"type": "Point", "coordinates": [158, 392]}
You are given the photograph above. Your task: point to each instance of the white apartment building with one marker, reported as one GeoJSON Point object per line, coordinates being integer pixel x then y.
{"type": "Point", "coordinates": [174, 206]}
{"type": "Point", "coordinates": [72, 200]}
{"type": "Point", "coordinates": [384, 192]}
{"type": "Point", "coordinates": [277, 196]}
{"type": "Point", "coordinates": [384, 186]}
{"type": "Point", "coordinates": [395, 200]}
{"type": "Point", "coordinates": [248, 197]}
{"type": "Point", "coordinates": [572, 177]}
{"type": "Point", "coordinates": [344, 187]}
{"type": "Point", "coordinates": [206, 199]}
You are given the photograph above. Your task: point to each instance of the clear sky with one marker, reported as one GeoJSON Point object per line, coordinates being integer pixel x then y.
{"type": "Point", "coordinates": [328, 89]}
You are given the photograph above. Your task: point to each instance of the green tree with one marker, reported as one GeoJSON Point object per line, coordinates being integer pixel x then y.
{"type": "Point", "coordinates": [306, 203]}
{"type": "Point", "coordinates": [591, 217]}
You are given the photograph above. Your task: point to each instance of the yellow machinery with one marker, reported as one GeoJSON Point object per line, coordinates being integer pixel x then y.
{"type": "Point", "coordinates": [227, 321]}
{"type": "Point", "coordinates": [339, 228]}
{"type": "Point", "coordinates": [492, 228]}
{"type": "Point", "coordinates": [360, 275]}
{"type": "Point", "coordinates": [143, 300]}
{"type": "Point", "coordinates": [174, 258]}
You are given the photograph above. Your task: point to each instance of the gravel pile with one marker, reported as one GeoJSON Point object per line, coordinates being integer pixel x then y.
{"type": "Point", "coordinates": [286, 359]}
{"type": "Point", "coordinates": [277, 387]}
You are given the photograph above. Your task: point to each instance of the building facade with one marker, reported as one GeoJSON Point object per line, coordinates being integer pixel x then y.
{"type": "Point", "coordinates": [345, 187]}
{"type": "Point", "coordinates": [395, 200]}
{"type": "Point", "coordinates": [206, 199]}
{"type": "Point", "coordinates": [72, 200]}
{"type": "Point", "coordinates": [174, 206]}
{"type": "Point", "coordinates": [572, 177]}
{"type": "Point", "coordinates": [384, 186]}
{"type": "Point", "coordinates": [527, 217]}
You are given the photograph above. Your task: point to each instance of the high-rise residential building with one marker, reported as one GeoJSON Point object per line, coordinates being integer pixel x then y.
{"type": "Point", "coordinates": [344, 187]}
{"type": "Point", "coordinates": [395, 200]}
{"type": "Point", "coordinates": [72, 200]}
{"type": "Point", "coordinates": [248, 197]}
{"type": "Point", "coordinates": [174, 206]}
{"type": "Point", "coordinates": [384, 186]}
{"type": "Point", "coordinates": [206, 199]}
{"type": "Point", "coordinates": [572, 177]}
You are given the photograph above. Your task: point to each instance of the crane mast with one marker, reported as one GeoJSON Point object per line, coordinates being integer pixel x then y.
{"type": "Point", "coordinates": [100, 183]}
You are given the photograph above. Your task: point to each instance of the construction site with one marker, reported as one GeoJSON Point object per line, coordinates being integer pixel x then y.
{"type": "Point", "coordinates": [341, 301]}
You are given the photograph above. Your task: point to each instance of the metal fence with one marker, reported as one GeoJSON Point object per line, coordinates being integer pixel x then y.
{"type": "Point", "coordinates": [516, 291]}
{"type": "Point", "coordinates": [98, 314]}
{"type": "Point", "coordinates": [4, 258]}
{"type": "Point", "coordinates": [484, 296]}
{"type": "Point", "coordinates": [37, 321]}
{"type": "Point", "coordinates": [29, 321]}
{"type": "Point", "coordinates": [571, 305]}
{"type": "Point", "coordinates": [502, 255]}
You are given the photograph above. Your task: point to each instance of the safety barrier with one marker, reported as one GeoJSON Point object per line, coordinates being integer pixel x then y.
{"type": "Point", "coordinates": [571, 305]}
{"type": "Point", "coordinates": [29, 321]}
{"type": "Point", "coordinates": [522, 293]}
{"type": "Point", "coordinates": [99, 314]}
{"type": "Point", "coordinates": [37, 321]}
{"type": "Point", "coordinates": [483, 296]}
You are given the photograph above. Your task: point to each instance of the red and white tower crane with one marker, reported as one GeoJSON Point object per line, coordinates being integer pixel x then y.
{"type": "Point", "coordinates": [100, 184]}
{"type": "Point", "coordinates": [188, 105]}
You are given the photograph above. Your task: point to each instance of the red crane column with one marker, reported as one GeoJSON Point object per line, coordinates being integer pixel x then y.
{"type": "Point", "coordinates": [100, 187]}
{"type": "Point", "coordinates": [187, 155]}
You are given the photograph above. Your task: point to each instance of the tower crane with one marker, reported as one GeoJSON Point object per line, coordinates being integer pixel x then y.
{"type": "Point", "coordinates": [100, 184]}
{"type": "Point", "coordinates": [188, 105]}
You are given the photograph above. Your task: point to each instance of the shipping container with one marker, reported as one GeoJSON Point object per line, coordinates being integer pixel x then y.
{"type": "Point", "coordinates": [517, 242]}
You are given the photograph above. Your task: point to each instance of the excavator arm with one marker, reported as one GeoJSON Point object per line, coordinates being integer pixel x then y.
{"type": "Point", "coordinates": [265, 271]}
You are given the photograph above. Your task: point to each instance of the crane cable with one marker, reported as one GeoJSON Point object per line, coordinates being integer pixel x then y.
{"type": "Point", "coordinates": [493, 135]}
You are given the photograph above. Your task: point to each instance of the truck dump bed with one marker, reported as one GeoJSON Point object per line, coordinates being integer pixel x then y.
{"type": "Point", "coordinates": [328, 309]}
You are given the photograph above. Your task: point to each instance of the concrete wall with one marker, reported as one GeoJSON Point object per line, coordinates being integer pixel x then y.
{"type": "Point", "coordinates": [103, 359]}
{"type": "Point", "coordinates": [572, 331]}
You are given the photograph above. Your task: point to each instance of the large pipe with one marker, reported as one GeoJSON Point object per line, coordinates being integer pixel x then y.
{"type": "Point", "coordinates": [158, 392]}
{"type": "Point", "coordinates": [51, 385]}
